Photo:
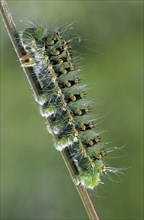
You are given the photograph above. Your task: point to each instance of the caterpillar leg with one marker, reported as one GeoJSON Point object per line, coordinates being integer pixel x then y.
{"type": "Point", "coordinates": [29, 64]}
{"type": "Point", "coordinates": [25, 57]}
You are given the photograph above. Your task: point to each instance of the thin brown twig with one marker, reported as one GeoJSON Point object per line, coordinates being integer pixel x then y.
{"type": "Point", "coordinates": [13, 34]}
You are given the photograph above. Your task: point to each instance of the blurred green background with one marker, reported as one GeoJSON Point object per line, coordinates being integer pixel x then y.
{"type": "Point", "coordinates": [35, 183]}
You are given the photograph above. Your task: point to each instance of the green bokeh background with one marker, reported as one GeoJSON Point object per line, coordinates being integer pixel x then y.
{"type": "Point", "coordinates": [35, 184]}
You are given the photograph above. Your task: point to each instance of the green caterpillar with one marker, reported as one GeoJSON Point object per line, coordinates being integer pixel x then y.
{"type": "Point", "coordinates": [62, 100]}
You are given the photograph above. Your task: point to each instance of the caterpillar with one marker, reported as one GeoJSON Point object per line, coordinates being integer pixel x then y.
{"type": "Point", "coordinates": [48, 52]}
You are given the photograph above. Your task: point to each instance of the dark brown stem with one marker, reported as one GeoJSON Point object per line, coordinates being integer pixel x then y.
{"type": "Point", "coordinates": [13, 34]}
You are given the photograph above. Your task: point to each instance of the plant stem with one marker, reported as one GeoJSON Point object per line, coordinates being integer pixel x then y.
{"type": "Point", "coordinates": [13, 34]}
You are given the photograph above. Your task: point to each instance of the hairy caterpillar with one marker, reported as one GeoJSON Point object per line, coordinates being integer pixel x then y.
{"type": "Point", "coordinates": [62, 100]}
